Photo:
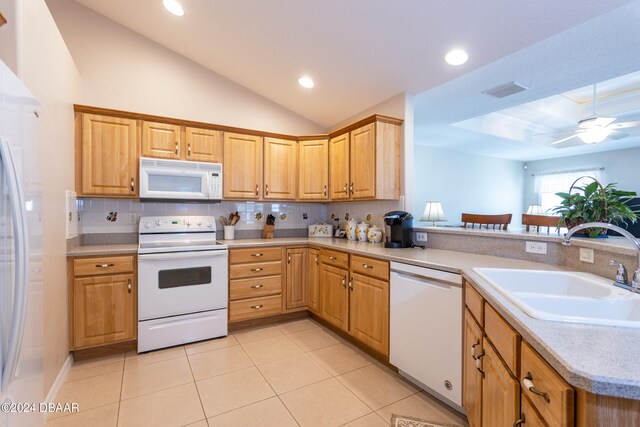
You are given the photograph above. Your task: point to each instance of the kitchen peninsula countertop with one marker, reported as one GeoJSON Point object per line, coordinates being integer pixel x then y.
{"type": "Point", "coordinates": [599, 359]}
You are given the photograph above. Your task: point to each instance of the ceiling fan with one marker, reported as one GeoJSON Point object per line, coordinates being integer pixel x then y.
{"type": "Point", "coordinates": [594, 129]}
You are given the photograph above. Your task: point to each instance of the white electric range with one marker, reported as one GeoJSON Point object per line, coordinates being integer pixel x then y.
{"type": "Point", "coordinates": [182, 281]}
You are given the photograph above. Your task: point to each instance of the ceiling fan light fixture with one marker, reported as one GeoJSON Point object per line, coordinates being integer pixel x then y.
{"type": "Point", "coordinates": [594, 135]}
{"type": "Point", "coordinates": [174, 7]}
{"type": "Point", "coordinates": [456, 57]}
{"type": "Point", "coordinates": [306, 82]}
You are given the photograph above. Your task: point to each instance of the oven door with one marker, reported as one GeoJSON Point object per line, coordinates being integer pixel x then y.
{"type": "Point", "coordinates": [172, 284]}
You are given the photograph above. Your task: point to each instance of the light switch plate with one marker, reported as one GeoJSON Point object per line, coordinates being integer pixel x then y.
{"type": "Point", "coordinates": [133, 218]}
{"type": "Point", "coordinates": [536, 248]}
{"type": "Point", "coordinates": [586, 255]}
{"type": "Point", "coordinates": [421, 236]}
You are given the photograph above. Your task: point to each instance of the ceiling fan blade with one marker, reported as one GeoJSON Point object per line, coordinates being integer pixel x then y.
{"type": "Point", "coordinates": [558, 133]}
{"type": "Point", "coordinates": [564, 139]}
{"type": "Point", "coordinates": [603, 121]}
{"type": "Point", "coordinates": [623, 125]}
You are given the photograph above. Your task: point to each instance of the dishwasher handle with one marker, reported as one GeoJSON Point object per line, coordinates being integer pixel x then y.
{"type": "Point", "coordinates": [424, 273]}
{"type": "Point", "coordinates": [425, 281]}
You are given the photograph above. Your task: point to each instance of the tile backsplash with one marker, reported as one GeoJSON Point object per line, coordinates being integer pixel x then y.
{"type": "Point", "coordinates": [123, 216]}
{"type": "Point", "coordinates": [370, 212]}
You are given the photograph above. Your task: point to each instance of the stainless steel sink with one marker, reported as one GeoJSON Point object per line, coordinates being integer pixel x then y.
{"type": "Point", "coordinates": [566, 296]}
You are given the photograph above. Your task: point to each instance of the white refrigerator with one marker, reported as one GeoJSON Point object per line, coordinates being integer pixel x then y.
{"type": "Point", "coordinates": [21, 308]}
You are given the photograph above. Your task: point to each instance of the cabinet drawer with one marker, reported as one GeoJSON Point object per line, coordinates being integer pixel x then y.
{"type": "Point", "coordinates": [251, 288]}
{"type": "Point", "coordinates": [240, 256]}
{"type": "Point", "coordinates": [503, 337]}
{"type": "Point", "coordinates": [370, 267]}
{"type": "Point", "coordinates": [258, 269]}
{"type": "Point", "coordinates": [103, 265]}
{"type": "Point", "coordinates": [336, 259]}
{"type": "Point", "coordinates": [557, 410]}
{"type": "Point", "coordinates": [254, 307]}
{"type": "Point", "coordinates": [473, 301]}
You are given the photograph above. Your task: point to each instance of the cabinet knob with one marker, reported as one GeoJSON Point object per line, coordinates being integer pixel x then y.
{"type": "Point", "coordinates": [176, 147]}
{"type": "Point", "coordinates": [527, 383]}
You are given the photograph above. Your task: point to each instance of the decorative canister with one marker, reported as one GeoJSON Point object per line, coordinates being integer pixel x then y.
{"type": "Point", "coordinates": [374, 235]}
{"type": "Point", "coordinates": [351, 229]}
{"type": "Point", "coordinates": [361, 231]}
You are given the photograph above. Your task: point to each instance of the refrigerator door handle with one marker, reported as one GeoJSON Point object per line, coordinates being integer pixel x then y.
{"type": "Point", "coordinates": [21, 264]}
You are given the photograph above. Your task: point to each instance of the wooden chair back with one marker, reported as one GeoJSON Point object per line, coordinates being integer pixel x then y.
{"type": "Point", "coordinates": [541, 221]}
{"type": "Point", "coordinates": [494, 222]}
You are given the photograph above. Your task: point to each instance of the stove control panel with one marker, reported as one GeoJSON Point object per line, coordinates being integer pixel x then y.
{"type": "Point", "coordinates": [176, 224]}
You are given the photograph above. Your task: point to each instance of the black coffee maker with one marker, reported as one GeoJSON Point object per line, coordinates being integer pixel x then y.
{"type": "Point", "coordinates": [400, 225]}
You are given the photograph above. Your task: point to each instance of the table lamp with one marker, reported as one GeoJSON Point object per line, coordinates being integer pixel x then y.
{"type": "Point", "coordinates": [433, 212]}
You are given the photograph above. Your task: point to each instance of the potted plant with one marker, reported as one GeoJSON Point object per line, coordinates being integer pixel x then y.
{"type": "Point", "coordinates": [595, 203]}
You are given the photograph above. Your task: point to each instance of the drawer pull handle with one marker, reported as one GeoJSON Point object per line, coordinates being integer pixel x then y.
{"type": "Point", "coordinates": [257, 307]}
{"type": "Point", "coordinates": [520, 421]}
{"type": "Point", "coordinates": [133, 184]}
{"type": "Point", "coordinates": [129, 286]}
{"type": "Point", "coordinates": [257, 255]}
{"type": "Point", "coordinates": [256, 286]}
{"type": "Point", "coordinates": [478, 363]}
{"type": "Point", "coordinates": [367, 266]}
{"type": "Point", "coordinates": [176, 147]}
{"type": "Point", "coordinates": [257, 269]}
{"type": "Point", "coordinates": [345, 189]}
{"type": "Point", "coordinates": [105, 265]}
{"type": "Point", "coordinates": [332, 257]}
{"type": "Point", "coordinates": [473, 349]}
{"type": "Point", "coordinates": [351, 285]}
{"type": "Point", "coordinates": [344, 282]}
{"type": "Point", "coordinates": [325, 190]}
{"type": "Point", "coordinates": [351, 188]}
{"type": "Point", "coordinates": [527, 382]}
{"type": "Point", "coordinates": [257, 189]}
{"type": "Point", "coordinates": [189, 150]}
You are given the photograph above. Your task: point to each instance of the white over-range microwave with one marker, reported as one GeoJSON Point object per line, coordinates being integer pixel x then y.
{"type": "Point", "coordinates": [180, 180]}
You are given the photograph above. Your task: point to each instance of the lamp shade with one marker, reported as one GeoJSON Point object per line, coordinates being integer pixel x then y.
{"type": "Point", "coordinates": [535, 210]}
{"type": "Point", "coordinates": [433, 212]}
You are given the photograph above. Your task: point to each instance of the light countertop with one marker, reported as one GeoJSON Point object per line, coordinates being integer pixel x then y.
{"type": "Point", "coordinates": [599, 359]}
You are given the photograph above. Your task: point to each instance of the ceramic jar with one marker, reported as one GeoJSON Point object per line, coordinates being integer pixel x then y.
{"type": "Point", "coordinates": [351, 229]}
{"type": "Point", "coordinates": [374, 235]}
{"type": "Point", "coordinates": [361, 231]}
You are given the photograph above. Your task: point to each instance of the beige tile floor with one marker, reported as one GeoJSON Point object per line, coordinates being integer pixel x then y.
{"type": "Point", "coordinates": [290, 374]}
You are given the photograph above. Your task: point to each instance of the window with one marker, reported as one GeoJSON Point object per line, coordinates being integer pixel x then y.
{"type": "Point", "coordinates": [546, 185]}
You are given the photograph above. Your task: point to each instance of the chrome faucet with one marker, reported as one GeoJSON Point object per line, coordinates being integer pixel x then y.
{"type": "Point", "coordinates": [621, 274]}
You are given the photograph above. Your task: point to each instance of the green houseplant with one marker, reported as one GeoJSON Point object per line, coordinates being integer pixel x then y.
{"type": "Point", "coordinates": [595, 203]}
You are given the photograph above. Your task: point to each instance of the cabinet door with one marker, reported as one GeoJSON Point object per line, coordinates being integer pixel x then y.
{"type": "Point", "coordinates": [472, 392]}
{"type": "Point", "coordinates": [339, 167]}
{"type": "Point", "coordinates": [313, 280]}
{"type": "Point", "coordinates": [104, 310]}
{"type": "Point", "coordinates": [500, 391]}
{"type": "Point", "coordinates": [369, 312]}
{"type": "Point", "coordinates": [313, 176]}
{"type": "Point", "coordinates": [242, 171]}
{"type": "Point", "coordinates": [334, 296]}
{"type": "Point", "coordinates": [280, 169]}
{"type": "Point", "coordinates": [296, 278]}
{"type": "Point", "coordinates": [161, 140]}
{"type": "Point", "coordinates": [109, 156]}
{"type": "Point", "coordinates": [203, 145]}
{"type": "Point", "coordinates": [363, 162]}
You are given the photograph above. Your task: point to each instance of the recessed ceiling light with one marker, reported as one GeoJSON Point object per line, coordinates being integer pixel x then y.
{"type": "Point", "coordinates": [174, 7]}
{"type": "Point", "coordinates": [456, 57]}
{"type": "Point", "coordinates": [306, 82]}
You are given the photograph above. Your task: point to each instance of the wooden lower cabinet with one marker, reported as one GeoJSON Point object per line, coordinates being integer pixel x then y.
{"type": "Point", "coordinates": [102, 305]}
{"type": "Point", "coordinates": [369, 311]}
{"type": "Point", "coordinates": [334, 296]}
{"type": "Point", "coordinates": [296, 278]}
{"type": "Point", "coordinates": [472, 393]}
{"type": "Point", "coordinates": [313, 280]}
{"type": "Point", "coordinates": [500, 391]}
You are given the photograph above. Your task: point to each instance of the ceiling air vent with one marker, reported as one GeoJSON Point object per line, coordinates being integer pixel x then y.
{"type": "Point", "coordinates": [506, 89]}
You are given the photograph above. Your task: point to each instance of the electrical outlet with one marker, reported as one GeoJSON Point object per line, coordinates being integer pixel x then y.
{"type": "Point", "coordinates": [536, 248]}
{"type": "Point", "coordinates": [586, 255]}
{"type": "Point", "coordinates": [421, 236]}
{"type": "Point", "coordinates": [133, 218]}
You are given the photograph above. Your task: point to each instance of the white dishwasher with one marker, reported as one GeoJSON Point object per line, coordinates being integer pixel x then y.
{"type": "Point", "coordinates": [426, 329]}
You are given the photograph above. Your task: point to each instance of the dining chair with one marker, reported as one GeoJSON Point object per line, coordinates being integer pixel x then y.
{"type": "Point", "coordinates": [493, 222]}
{"type": "Point", "coordinates": [541, 221]}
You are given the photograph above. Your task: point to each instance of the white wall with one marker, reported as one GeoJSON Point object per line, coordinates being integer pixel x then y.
{"type": "Point", "coordinates": [123, 70]}
{"type": "Point", "coordinates": [465, 182]}
{"type": "Point", "coordinates": [620, 166]}
{"type": "Point", "coordinates": [46, 68]}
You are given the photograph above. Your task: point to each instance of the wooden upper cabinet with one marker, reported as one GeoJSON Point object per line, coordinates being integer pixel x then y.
{"type": "Point", "coordinates": [363, 163]}
{"type": "Point", "coordinates": [339, 167]}
{"type": "Point", "coordinates": [280, 169]}
{"type": "Point", "coordinates": [296, 278]}
{"type": "Point", "coordinates": [110, 155]}
{"type": "Point", "coordinates": [242, 171]}
{"type": "Point", "coordinates": [203, 145]}
{"type": "Point", "coordinates": [161, 140]}
{"type": "Point", "coordinates": [369, 312]}
{"type": "Point", "coordinates": [313, 182]}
